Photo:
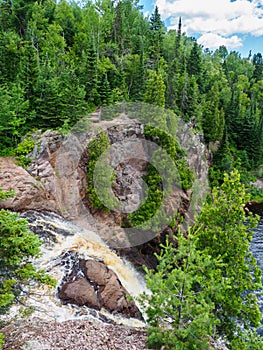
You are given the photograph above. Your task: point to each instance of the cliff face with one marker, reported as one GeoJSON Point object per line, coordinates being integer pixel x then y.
{"type": "Point", "coordinates": [56, 178]}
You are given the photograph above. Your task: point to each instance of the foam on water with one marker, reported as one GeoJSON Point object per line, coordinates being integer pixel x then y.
{"type": "Point", "coordinates": [62, 238]}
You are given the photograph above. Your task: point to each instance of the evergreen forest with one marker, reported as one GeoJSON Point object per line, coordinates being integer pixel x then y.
{"type": "Point", "coordinates": [61, 60]}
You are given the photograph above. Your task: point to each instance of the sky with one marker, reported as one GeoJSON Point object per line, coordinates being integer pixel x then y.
{"type": "Point", "coordinates": [237, 24]}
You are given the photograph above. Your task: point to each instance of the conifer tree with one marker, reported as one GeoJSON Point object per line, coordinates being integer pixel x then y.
{"type": "Point", "coordinates": [194, 61]}
{"type": "Point", "coordinates": [258, 64]}
{"type": "Point", "coordinates": [203, 285]}
{"type": "Point", "coordinates": [213, 116]}
{"type": "Point", "coordinates": [105, 92]}
{"type": "Point", "coordinates": [17, 247]}
{"type": "Point", "coordinates": [155, 89]}
{"type": "Point", "coordinates": [223, 232]}
{"type": "Point", "coordinates": [156, 37]}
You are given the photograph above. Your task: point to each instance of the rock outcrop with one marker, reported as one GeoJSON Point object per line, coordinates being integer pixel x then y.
{"type": "Point", "coordinates": [30, 193]}
{"type": "Point", "coordinates": [96, 286]}
{"type": "Point", "coordinates": [56, 179]}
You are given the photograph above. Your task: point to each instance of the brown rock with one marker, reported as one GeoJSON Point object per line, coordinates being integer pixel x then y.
{"type": "Point", "coordinates": [113, 295]}
{"type": "Point", "coordinates": [79, 292]}
{"type": "Point", "coordinates": [96, 272]}
{"type": "Point", "coordinates": [101, 289]}
{"type": "Point", "coordinates": [29, 193]}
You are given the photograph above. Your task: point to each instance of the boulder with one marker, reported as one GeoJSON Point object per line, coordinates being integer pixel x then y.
{"type": "Point", "coordinates": [29, 192]}
{"type": "Point", "coordinates": [79, 292]}
{"type": "Point", "coordinates": [99, 288]}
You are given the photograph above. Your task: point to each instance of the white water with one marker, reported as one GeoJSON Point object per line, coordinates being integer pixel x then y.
{"type": "Point", "coordinates": [59, 237]}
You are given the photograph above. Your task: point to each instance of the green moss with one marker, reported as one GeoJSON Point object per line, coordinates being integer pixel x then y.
{"type": "Point", "coordinates": [96, 148]}
{"type": "Point", "coordinates": [155, 194]}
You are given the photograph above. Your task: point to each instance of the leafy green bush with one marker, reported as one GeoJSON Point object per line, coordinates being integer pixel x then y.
{"type": "Point", "coordinates": [256, 193]}
{"type": "Point", "coordinates": [2, 338]}
{"type": "Point", "coordinates": [155, 195]}
{"type": "Point", "coordinates": [23, 148]}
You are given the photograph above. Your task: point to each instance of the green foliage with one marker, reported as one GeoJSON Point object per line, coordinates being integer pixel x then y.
{"type": "Point", "coordinates": [13, 114]}
{"type": "Point", "coordinates": [17, 248]}
{"type": "Point", "coordinates": [96, 147]}
{"type": "Point", "coordinates": [154, 198]}
{"type": "Point", "coordinates": [153, 179]}
{"type": "Point", "coordinates": [23, 148]}
{"type": "Point", "coordinates": [2, 338]}
{"type": "Point", "coordinates": [256, 193]}
{"type": "Point", "coordinates": [204, 286]}
{"type": "Point", "coordinates": [248, 340]}
{"type": "Point", "coordinates": [224, 231]}
{"type": "Point", "coordinates": [155, 89]}
{"type": "Point", "coordinates": [180, 308]}
{"type": "Point", "coordinates": [6, 194]}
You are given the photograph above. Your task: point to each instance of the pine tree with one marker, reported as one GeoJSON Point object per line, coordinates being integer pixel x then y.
{"type": "Point", "coordinates": [155, 89]}
{"type": "Point", "coordinates": [105, 92]}
{"type": "Point", "coordinates": [223, 232]}
{"type": "Point", "coordinates": [194, 61]}
{"type": "Point", "coordinates": [258, 64]}
{"type": "Point", "coordinates": [202, 286]}
{"type": "Point", "coordinates": [88, 75]}
{"type": "Point", "coordinates": [14, 112]}
{"type": "Point", "coordinates": [213, 117]}
{"type": "Point", "coordinates": [179, 309]}
{"type": "Point", "coordinates": [156, 38]}
{"type": "Point", "coordinates": [17, 248]}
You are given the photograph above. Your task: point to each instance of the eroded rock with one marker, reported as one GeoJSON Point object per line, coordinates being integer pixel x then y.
{"type": "Point", "coordinates": [80, 292]}
{"type": "Point", "coordinates": [98, 288]}
{"type": "Point", "coordinates": [29, 192]}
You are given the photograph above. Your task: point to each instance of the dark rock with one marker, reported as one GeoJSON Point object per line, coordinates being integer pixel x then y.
{"type": "Point", "coordinates": [79, 292]}
{"type": "Point", "coordinates": [100, 287]}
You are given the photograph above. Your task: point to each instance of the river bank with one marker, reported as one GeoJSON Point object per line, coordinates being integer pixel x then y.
{"type": "Point", "coordinates": [34, 334]}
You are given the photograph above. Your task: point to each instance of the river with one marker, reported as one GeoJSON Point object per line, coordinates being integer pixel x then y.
{"type": "Point", "coordinates": [62, 243]}
{"type": "Point", "coordinates": [256, 248]}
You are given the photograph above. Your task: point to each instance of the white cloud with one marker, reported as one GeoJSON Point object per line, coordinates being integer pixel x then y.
{"type": "Point", "coordinates": [213, 41]}
{"type": "Point", "coordinates": [220, 20]}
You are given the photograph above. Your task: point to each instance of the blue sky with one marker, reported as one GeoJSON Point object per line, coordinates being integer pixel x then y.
{"type": "Point", "coordinates": [237, 24]}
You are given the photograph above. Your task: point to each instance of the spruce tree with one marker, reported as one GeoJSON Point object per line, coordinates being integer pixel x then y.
{"type": "Point", "coordinates": [202, 285]}
{"type": "Point", "coordinates": [155, 89]}
{"type": "Point", "coordinates": [258, 64]}
{"type": "Point", "coordinates": [213, 116]}
{"type": "Point", "coordinates": [156, 38]}
{"type": "Point", "coordinates": [224, 232]}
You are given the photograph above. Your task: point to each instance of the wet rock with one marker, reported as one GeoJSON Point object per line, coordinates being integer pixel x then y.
{"type": "Point", "coordinates": [96, 272]}
{"type": "Point", "coordinates": [99, 288]}
{"type": "Point", "coordinates": [79, 292]}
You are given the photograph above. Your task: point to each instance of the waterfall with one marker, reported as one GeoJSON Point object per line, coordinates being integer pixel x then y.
{"type": "Point", "coordinates": [62, 241]}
